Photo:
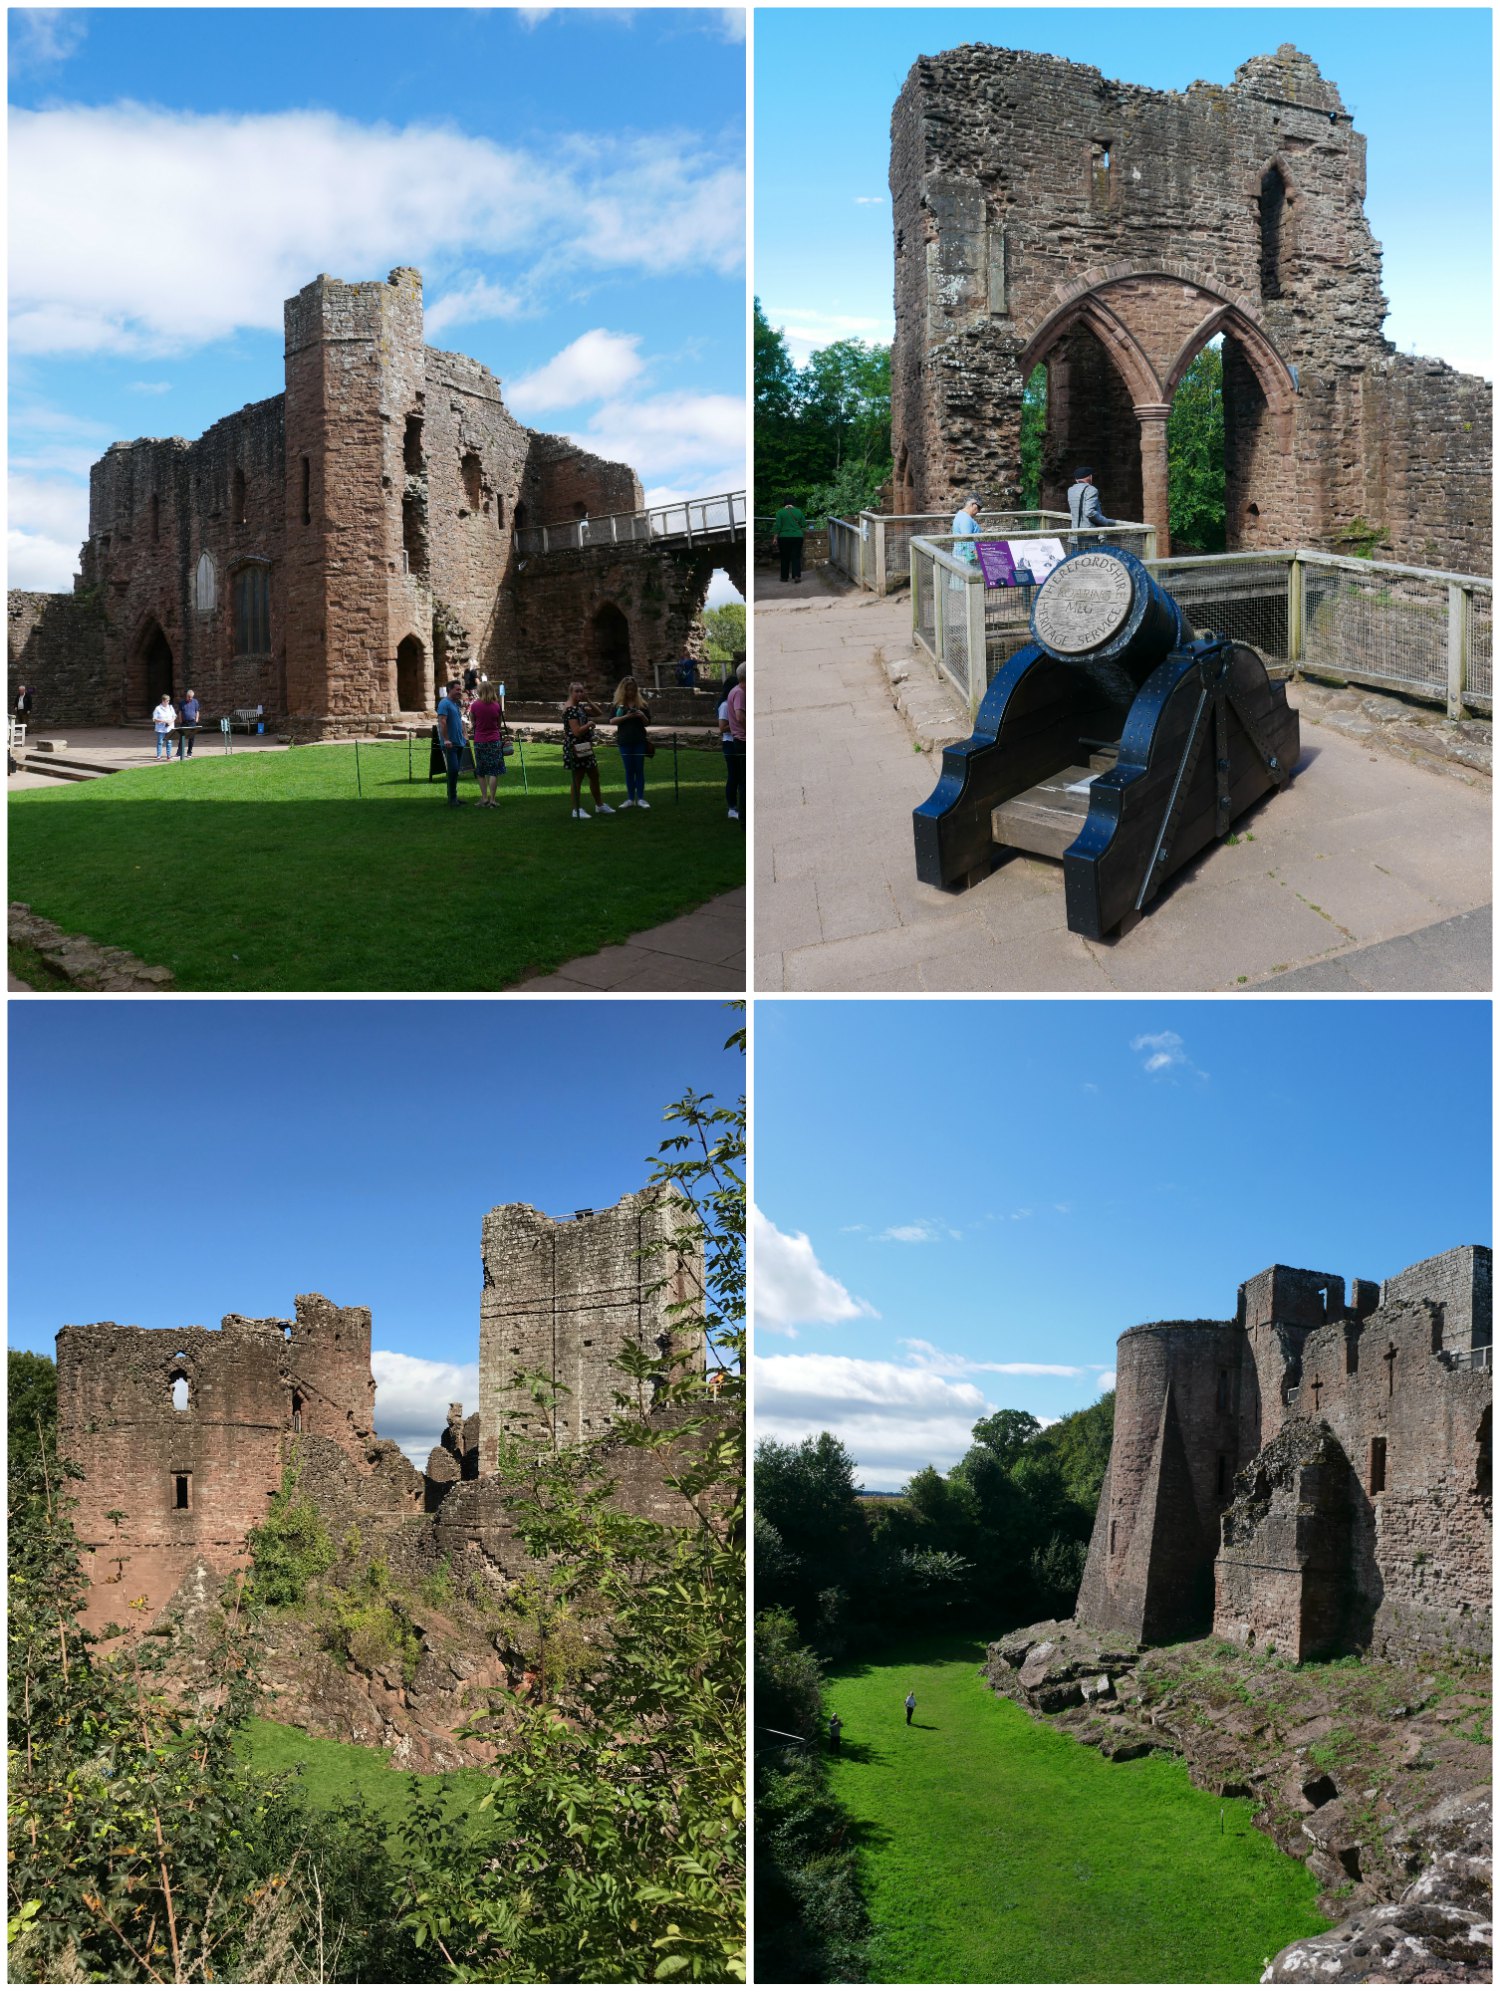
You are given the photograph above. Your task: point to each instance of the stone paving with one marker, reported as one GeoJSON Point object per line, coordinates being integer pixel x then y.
{"type": "Point", "coordinates": [700, 952]}
{"type": "Point", "coordinates": [1363, 850]}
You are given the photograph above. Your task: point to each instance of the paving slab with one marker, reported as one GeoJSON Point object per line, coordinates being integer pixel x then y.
{"type": "Point", "coordinates": [1364, 850]}
{"type": "Point", "coordinates": [696, 953]}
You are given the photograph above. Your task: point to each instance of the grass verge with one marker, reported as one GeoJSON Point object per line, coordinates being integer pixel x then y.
{"type": "Point", "coordinates": [1000, 1851]}
{"type": "Point", "coordinates": [333, 1774]}
{"type": "Point", "coordinates": [301, 871]}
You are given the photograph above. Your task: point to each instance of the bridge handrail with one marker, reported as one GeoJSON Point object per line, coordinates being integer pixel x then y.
{"type": "Point", "coordinates": [688, 519]}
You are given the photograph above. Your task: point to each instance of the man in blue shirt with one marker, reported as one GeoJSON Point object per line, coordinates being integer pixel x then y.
{"type": "Point", "coordinates": [450, 719]}
{"type": "Point", "coordinates": [187, 718]}
{"type": "Point", "coordinates": [966, 525]}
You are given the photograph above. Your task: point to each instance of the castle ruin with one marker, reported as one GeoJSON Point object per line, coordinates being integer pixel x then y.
{"type": "Point", "coordinates": [335, 553]}
{"type": "Point", "coordinates": [184, 1434]}
{"type": "Point", "coordinates": [1046, 216]}
{"type": "Point", "coordinates": [1314, 1475]}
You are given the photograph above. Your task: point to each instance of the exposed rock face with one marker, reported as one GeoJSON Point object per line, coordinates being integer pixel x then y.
{"type": "Point", "coordinates": [1439, 1933]}
{"type": "Point", "coordinates": [1340, 1763]}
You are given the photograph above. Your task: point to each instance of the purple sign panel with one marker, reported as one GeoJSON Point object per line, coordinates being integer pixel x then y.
{"type": "Point", "coordinates": [995, 563]}
{"type": "Point", "coordinates": [1017, 563]}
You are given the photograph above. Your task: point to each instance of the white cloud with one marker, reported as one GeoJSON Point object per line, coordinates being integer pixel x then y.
{"type": "Point", "coordinates": [412, 1395]}
{"type": "Point", "coordinates": [1165, 1052]}
{"type": "Point", "coordinates": [927, 1357]}
{"type": "Point", "coordinates": [40, 36]}
{"type": "Point", "coordinates": [805, 330]}
{"type": "Point", "coordinates": [532, 17]}
{"type": "Point", "coordinates": [721, 591]}
{"type": "Point", "coordinates": [732, 23]}
{"type": "Point", "coordinates": [470, 301]}
{"type": "Point", "coordinates": [894, 1420]}
{"type": "Point", "coordinates": [790, 1285]}
{"type": "Point", "coordinates": [1106, 1381]}
{"type": "Point", "coordinates": [869, 200]}
{"type": "Point", "coordinates": [693, 444]}
{"type": "Point", "coordinates": [595, 366]}
{"type": "Point", "coordinates": [48, 522]}
{"type": "Point", "coordinates": [136, 229]}
{"type": "Point", "coordinates": [925, 1232]}
{"type": "Point", "coordinates": [150, 386]}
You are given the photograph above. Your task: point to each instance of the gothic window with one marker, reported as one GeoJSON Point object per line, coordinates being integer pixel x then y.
{"type": "Point", "coordinates": [472, 479]}
{"type": "Point", "coordinates": [237, 496]}
{"type": "Point", "coordinates": [1377, 1466]}
{"type": "Point", "coordinates": [252, 612]}
{"type": "Point", "coordinates": [181, 1390]}
{"type": "Point", "coordinates": [205, 585]}
{"type": "Point", "coordinates": [411, 449]}
{"type": "Point", "coordinates": [1099, 168]}
{"type": "Point", "coordinates": [182, 1490]}
{"type": "Point", "coordinates": [296, 1410]}
{"type": "Point", "coordinates": [1272, 218]}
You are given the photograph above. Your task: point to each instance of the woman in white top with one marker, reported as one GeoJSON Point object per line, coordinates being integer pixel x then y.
{"type": "Point", "coordinates": [164, 719]}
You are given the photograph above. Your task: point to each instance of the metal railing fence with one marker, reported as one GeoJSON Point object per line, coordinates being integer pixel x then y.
{"type": "Point", "coordinates": [1413, 630]}
{"type": "Point", "coordinates": [693, 518]}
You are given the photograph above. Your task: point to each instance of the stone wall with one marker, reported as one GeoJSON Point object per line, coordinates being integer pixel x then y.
{"type": "Point", "coordinates": [1319, 1467]}
{"type": "Point", "coordinates": [55, 644]}
{"type": "Point", "coordinates": [1046, 215]}
{"type": "Point", "coordinates": [368, 517]}
{"type": "Point", "coordinates": [562, 1297]}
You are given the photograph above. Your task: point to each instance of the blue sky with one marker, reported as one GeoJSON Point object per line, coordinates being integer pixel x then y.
{"type": "Point", "coordinates": [173, 1163]}
{"type": "Point", "coordinates": [946, 1187]}
{"type": "Point", "coordinates": [1416, 80]}
{"type": "Point", "coordinates": [571, 184]}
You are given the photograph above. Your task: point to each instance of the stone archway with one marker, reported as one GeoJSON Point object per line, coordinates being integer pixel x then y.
{"type": "Point", "coordinates": [148, 670]}
{"type": "Point", "coordinates": [413, 693]}
{"type": "Point", "coordinates": [609, 646]}
{"type": "Point", "coordinates": [1125, 342]}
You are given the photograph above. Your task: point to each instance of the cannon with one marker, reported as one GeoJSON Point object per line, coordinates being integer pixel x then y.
{"type": "Point", "coordinates": [1117, 740]}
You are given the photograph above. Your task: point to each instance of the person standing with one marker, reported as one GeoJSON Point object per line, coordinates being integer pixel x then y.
{"type": "Point", "coordinates": [485, 716]}
{"type": "Point", "coordinates": [164, 719]}
{"type": "Point", "coordinates": [735, 745]}
{"type": "Point", "coordinates": [966, 528]}
{"type": "Point", "coordinates": [791, 530]}
{"type": "Point", "coordinates": [23, 703]}
{"type": "Point", "coordinates": [1083, 501]}
{"type": "Point", "coordinates": [187, 720]}
{"type": "Point", "coordinates": [450, 721]}
{"type": "Point", "coordinates": [632, 716]}
{"type": "Point", "coordinates": [578, 751]}
{"type": "Point", "coordinates": [911, 1707]}
{"type": "Point", "coordinates": [835, 1732]}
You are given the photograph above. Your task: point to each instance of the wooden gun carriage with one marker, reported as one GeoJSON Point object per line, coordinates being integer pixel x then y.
{"type": "Point", "coordinates": [1117, 740]}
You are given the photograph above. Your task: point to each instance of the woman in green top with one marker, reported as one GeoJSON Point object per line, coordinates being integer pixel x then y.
{"type": "Point", "coordinates": [791, 528]}
{"type": "Point", "coordinates": [631, 716]}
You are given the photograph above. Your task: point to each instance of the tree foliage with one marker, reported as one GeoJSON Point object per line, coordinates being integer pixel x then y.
{"type": "Point", "coordinates": [1195, 456]}
{"type": "Point", "coordinates": [725, 627]}
{"type": "Point", "coordinates": [823, 431]}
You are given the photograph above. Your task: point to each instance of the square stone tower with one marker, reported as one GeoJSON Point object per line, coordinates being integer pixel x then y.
{"type": "Point", "coordinates": [562, 1296]}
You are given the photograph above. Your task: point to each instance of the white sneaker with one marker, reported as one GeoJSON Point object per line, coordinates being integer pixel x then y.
{"type": "Point", "coordinates": [604, 810]}
{"type": "Point", "coordinates": [734, 816]}
{"type": "Point", "coordinates": [643, 804]}
{"type": "Point", "coordinates": [582, 815]}
{"type": "Point", "coordinates": [627, 803]}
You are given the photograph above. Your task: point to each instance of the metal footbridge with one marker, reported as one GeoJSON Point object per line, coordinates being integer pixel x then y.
{"type": "Point", "coordinates": [693, 522]}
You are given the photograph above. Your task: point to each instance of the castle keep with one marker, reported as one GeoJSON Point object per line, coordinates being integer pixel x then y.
{"type": "Point", "coordinates": [1046, 216]}
{"type": "Point", "coordinates": [336, 552]}
{"type": "Point", "coordinates": [1314, 1474]}
{"type": "Point", "coordinates": [183, 1434]}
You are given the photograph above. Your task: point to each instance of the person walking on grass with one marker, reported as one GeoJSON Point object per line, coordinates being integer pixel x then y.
{"type": "Point", "coordinates": [735, 742]}
{"type": "Point", "coordinates": [791, 530]}
{"type": "Point", "coordinates": [579, 716]}
{"type": "Point", "coordinates": [164, 719]}
{"type": "Point", "coordinates": [835, 1733]}
{"type": "Point", "coordinates": [187, 720]}
{"type": "Point", "coordinates": [450, 721]}
{"type": "Point", "coordinates": [632, 716]}
{"type": "Point", "coordinates": [485, 716]}
{"type": "Point", "coordinates": [911, 1707]}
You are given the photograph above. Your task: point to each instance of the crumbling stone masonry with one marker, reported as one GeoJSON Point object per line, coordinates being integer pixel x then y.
{"type": "Point", "coordinates": [183, 1434]}
{"type": "Point", "coordinates": [1047, 216]}
{"type": "Point", "coordinates": [336, 551]}
{"type": "Point", "coordinates": [1315, 1474]}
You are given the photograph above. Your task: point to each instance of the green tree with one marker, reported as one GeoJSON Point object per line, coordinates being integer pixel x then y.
{"type": "Point", "coordinates": [726, 631]}
{"type": "Point", "coordinates": [822, 432]}
{"type": "Point", "coordinates": [615, 1851]}
{"type": "Point", "coordinates": [1033, 436]}
{"type": "Point", "coordinates": [1195, 455]}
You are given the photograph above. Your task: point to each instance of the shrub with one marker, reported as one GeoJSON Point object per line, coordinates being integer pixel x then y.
{"type": "Point", "coordinates": [290, 1548]}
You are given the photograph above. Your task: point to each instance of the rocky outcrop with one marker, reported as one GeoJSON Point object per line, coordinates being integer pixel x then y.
{"type": "Point", "coordinates": [1438, 1933]}
{"type": "Point", "coordinates": [84, 963]}
{"type": "Point", "coordinates": [1342, 1764]}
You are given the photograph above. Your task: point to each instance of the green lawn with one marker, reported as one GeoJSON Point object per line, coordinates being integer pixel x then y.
{"type": "Point", "coordinates": [998, 1850]}
{"type": "Point", "coordinates": [273, 872]}
{"type": "Point", "coordinates": [332, 1773]}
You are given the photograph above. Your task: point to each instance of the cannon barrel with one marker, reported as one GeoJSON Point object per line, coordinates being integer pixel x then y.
{"type": "Point", "coordinates": [1117, 740]}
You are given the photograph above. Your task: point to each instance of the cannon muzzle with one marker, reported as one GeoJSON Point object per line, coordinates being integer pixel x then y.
{"type": "Point", "coordinates": [1117, 740]}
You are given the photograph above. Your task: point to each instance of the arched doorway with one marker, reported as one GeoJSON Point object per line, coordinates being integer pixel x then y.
{"type": "Point", "coordinates": [148, 672]}
{"type": "Point", "coordinates": [412, 689]}
{"type": "Point", "coordinates": [609, 646]}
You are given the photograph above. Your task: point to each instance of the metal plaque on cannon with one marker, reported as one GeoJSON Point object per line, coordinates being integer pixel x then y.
{"type": "Point", "coordinates": [1117, 740]}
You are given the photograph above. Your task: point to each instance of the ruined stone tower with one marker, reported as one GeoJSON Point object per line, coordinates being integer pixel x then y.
{"type": "Point", "coordinates": [561, 1298]}
{"type": "Point", "coordinates": [1048, 216]}
{"type": "Point", "coordinates": [1314, 1474]}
